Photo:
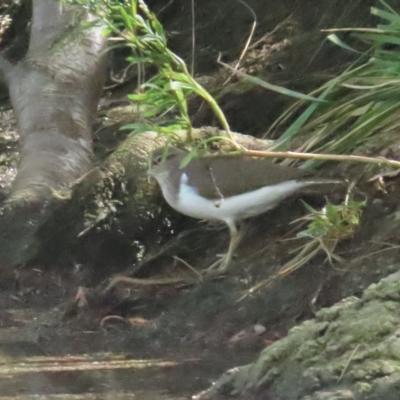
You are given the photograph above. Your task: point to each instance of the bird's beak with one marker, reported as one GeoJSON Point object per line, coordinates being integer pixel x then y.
{"type": "Point", "coordinates": [149, 158]}
{"type": "Point", "coordinates": [148, 171]}
{"type": "Point", "coordinates": [149, 174]}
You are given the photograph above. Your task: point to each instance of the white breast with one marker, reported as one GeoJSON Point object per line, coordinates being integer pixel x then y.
{"type": "Point", "coordinates": [232, 208]}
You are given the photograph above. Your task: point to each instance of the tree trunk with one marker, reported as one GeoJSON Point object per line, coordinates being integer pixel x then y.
{"type": "Point", "coordinates": [54, 92]}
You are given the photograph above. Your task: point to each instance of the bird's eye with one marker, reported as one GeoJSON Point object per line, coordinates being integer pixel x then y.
{"type": "Point", "coordinates": [157, 160]}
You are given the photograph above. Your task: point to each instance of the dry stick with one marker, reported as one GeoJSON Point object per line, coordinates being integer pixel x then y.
{"type": "Point", "coordinates": [348, 363]}
{"type": "Point", "coordinates": [316, 156]}
{"type": "Point", "coordinates": [267, 35]}
{"type": "Point", "coordinates": [392, 247]}
{"type": "Point", "coordinates": [248, 41]}
{"type": "Point", "coordinates": [165, 7]}
{"type": "Point", "coordinates": [186, 264]}
{"type": "Point", "coordinates": [114, 318]}
{"type": "Point", "coordinates": [369, 30]}
{"type": "Point", "coordinates": [146, 282]}
{"type": "Point", "coordinates": [193, 37]}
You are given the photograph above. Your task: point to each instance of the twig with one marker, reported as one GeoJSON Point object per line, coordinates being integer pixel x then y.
{"type": "Point", "coordinates": [113, 318]}
{"type": "Point", "coordinates": [145, 282]}
{"type": "Point", "coordinates": [393, 247]}
{"type": "Point", "coordinates": [193, 38]}
{"type": "Point", "coordinates": [348, 363]}
{"type": "Point", "coordinates": [248, 41]}
{"type": "Point", "coordinates": [319, 156]}
{"type": "Point", "coordinates": [186, 264]}
{"type": "Point", "coordinates": [268, 34]}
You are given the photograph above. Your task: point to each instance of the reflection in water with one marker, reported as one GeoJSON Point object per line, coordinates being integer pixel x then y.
{"type": "Point", "coordinates": [87, 377]}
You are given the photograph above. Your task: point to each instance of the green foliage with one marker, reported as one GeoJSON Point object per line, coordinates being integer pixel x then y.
{"type": "Point", "coordinates": [325, 230]}
{"type": "Point", "coordinates": [344, 112]}
{"type": "Point", "coordinates": [278, 89]}
{"type": "Point", "coordinates": [131, 23]}
{"type": "Point", "coordinates": [362, 101]}
{"type": "Point", "coordinates": [333, 221]}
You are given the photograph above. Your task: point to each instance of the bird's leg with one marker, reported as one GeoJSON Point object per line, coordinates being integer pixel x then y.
{"type": "Point", "coordinates": [221, 266]}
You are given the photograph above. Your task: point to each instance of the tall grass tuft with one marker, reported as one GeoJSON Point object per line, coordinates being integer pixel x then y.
{"type": "Point", "coordinates": [362, 101]}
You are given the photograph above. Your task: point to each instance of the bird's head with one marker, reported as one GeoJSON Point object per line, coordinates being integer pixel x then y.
{"type": "Point", "coordinates": [163, 160]}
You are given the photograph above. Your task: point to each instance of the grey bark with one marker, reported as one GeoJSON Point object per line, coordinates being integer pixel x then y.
{"type": "Point", "coordinates": [54, 93]}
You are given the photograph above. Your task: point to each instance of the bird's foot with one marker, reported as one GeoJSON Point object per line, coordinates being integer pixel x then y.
{"type": "Point", "coordinates": [219, 267]}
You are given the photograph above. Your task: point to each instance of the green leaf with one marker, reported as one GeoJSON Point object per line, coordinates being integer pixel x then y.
{"type": "Point", "coordinates": [335, 39]}
{"type": "Point", "coordinates": [188, 158]}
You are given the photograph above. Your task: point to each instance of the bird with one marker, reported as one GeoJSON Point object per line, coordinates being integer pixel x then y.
{"type": "Point", "coordinates": [225, 188]}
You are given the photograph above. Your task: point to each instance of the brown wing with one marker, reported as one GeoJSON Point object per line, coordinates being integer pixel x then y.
{"type": "Point", "coordinates": [221, 177]}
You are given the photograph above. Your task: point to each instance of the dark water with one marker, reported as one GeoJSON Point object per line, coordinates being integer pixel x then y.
{"type": "Point", "coordinates": [99, 376]}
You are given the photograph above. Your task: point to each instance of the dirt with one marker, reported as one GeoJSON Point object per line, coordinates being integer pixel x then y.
{"type": "Point", "coordinates": [53, 340]}
{"type": "Point", "coordinates": [171, 341]}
